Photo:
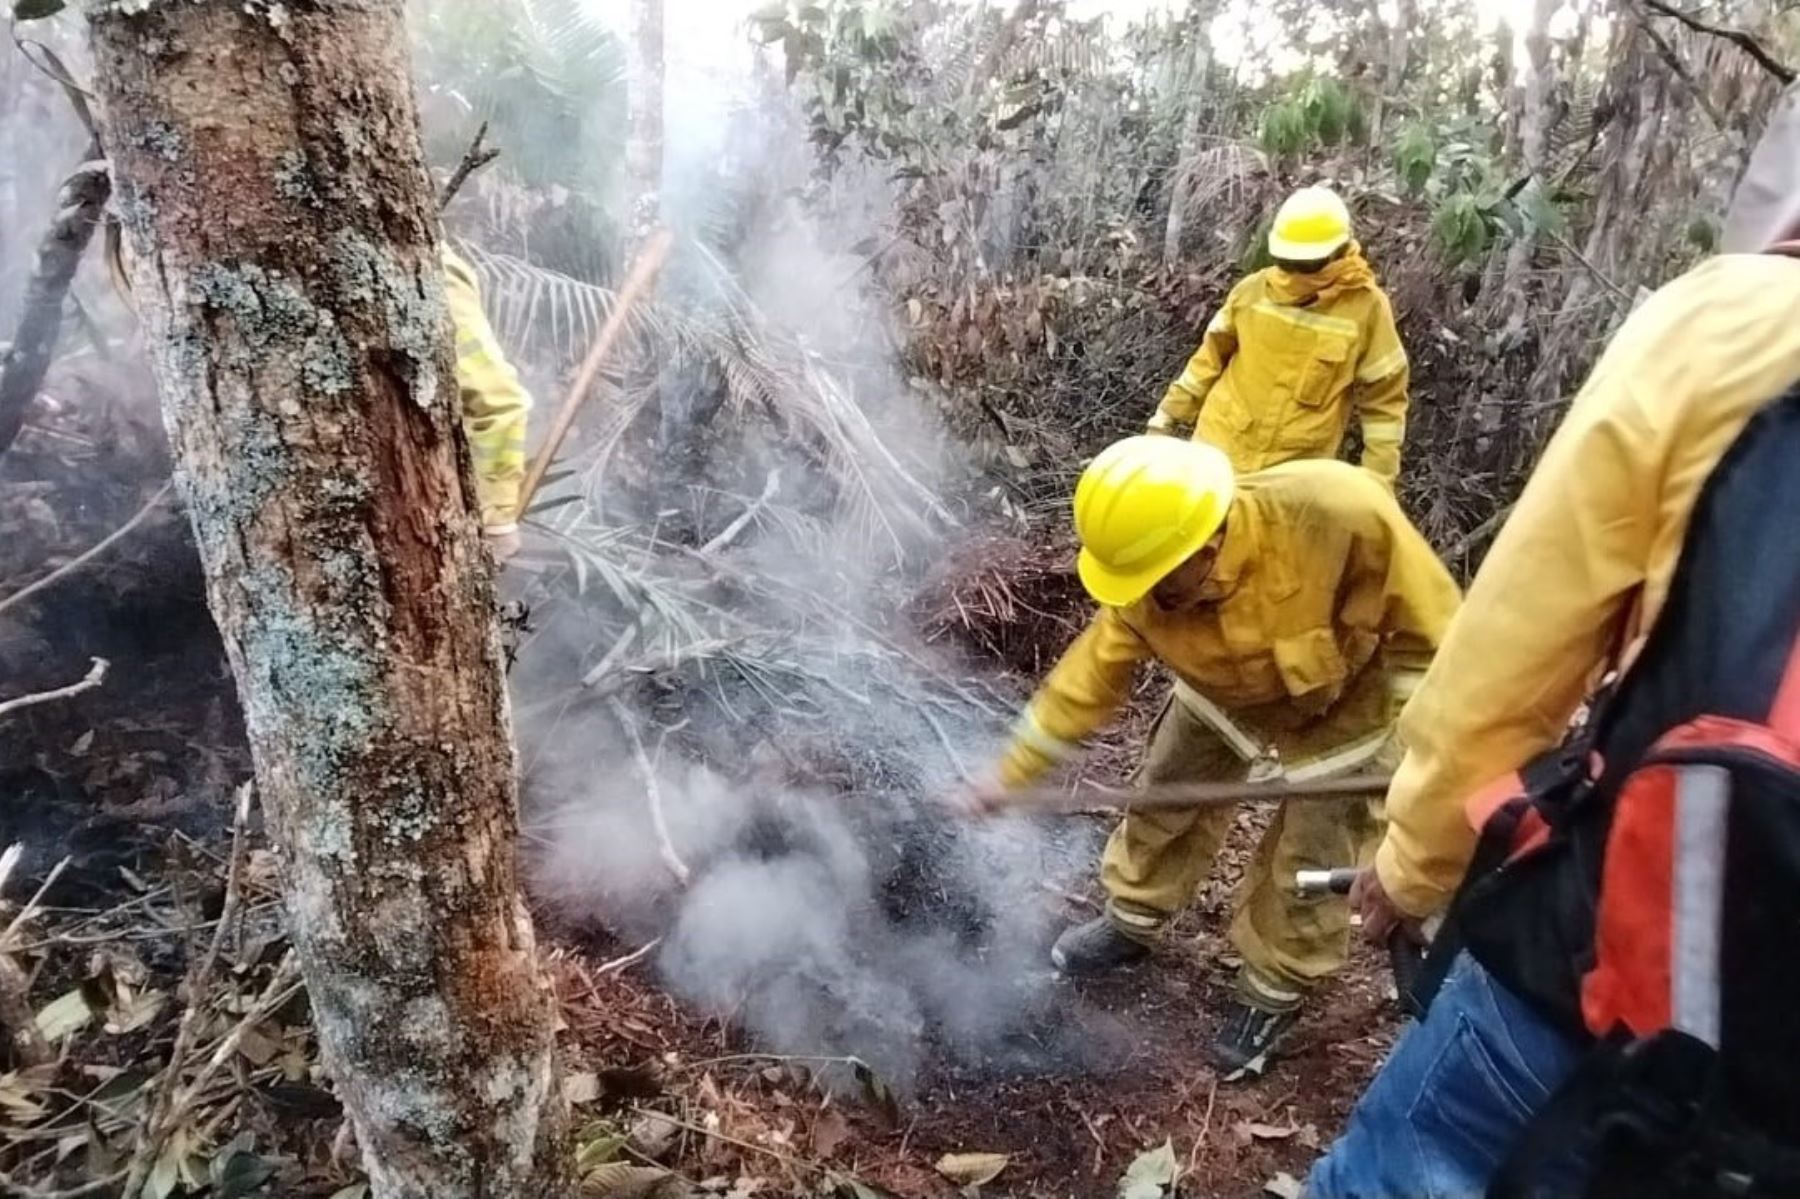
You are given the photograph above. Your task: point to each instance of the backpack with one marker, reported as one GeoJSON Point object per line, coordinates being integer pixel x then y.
{"type": "Point", "coordinates": [1639, 885]}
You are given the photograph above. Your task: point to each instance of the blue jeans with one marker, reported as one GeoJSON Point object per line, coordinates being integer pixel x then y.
{"type": "Point", "coordinates": [1439, 1118]}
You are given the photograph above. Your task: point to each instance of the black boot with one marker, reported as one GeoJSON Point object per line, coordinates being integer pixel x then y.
{"type": "Point", "coordinates": [1095, 947]}
{"type": "Point", "coordinates": [1250, 1039]}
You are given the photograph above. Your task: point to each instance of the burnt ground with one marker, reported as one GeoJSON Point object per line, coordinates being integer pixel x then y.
{"type": "Point", "coordinates": [759, 1122]}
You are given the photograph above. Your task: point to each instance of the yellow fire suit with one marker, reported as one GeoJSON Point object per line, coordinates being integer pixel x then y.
{"type": "Point", "coordinates": [1583, 565]}
{"type": "Point", "coordinates": [495, 404]}
{"type": "Point", "coordinates": [1323, 606]}
{"type": "Point", "coordinates": [1285, 361]}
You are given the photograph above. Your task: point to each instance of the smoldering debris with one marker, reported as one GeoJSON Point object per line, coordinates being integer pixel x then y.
{"type": "Point", "coordinates": [864, 925]}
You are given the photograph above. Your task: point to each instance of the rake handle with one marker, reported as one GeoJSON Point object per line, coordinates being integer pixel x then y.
{"type": "Point", "coordinates": [642, 274]}
{"type": "Point", "coordinates": [1192, 795]}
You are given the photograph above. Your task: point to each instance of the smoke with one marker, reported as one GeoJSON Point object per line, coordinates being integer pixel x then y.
{"type": "Point", "coordinates": [789, 750]}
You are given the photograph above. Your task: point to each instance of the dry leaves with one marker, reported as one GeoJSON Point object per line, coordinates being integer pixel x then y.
{"type": "Point", "coordinates": [972, 1169]}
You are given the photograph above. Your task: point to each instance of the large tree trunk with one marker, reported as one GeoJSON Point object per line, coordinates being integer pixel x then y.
{"type": "Point", "coordinates": [284, 238]}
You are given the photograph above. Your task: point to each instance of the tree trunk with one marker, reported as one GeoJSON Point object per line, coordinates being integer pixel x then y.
{"type": "Point", "coordinates": [284, 243]}
{"type": "Point", "coordinates": [1194, 102]}
{"type": "Point", "coordinates": [1534, 129]}
{"type": "Point", "coordinates": [644, 138]}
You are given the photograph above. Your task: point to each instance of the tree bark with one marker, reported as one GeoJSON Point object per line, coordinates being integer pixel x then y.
{"type": "Point", "coordinates": [285, 259]}
{"type": "Point", "coordinates": [1534, 129]}
{"type": "Point", "coordinates": [644, 138]}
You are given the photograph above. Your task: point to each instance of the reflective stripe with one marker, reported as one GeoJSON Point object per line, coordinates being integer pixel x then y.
{"type": "Point", "coordinates": [1189, 381]}
{"type": "Point", "coordinates": [1385, 430]}
{"type": "Point", "coordinates": [1208, 713]}
{"type": "Point", "coordinates": [1221, 322]}
{"type": "Point", "coordinates": [1029, 732]}
{"type": "Point", "coordinates": [1257, 986]}
{"type": "Point", "coordinates": [1403, 684]}
{"type": "Point", "coordinates": [1161, 422]}
{"type": "Point", "coordinates": [1137, 921]}
{"type": "Point", "coordinates": [1308, 320]}
{"type": "Point", "coordinates": [1340, 760]}
{"type": "Point", "coordinates": [1382, 367]}
{"type": "Point", "coordinates": [1702, 804]}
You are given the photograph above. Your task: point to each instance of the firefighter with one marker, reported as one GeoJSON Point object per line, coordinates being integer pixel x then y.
{"type": "Point", "coordinates": [1293, 607]}
{"type": "Point", "coordinates": [1297, 349]}
{"type": "Point", "coordinates": [495, 408]}
{"type": "Point", "coordinates": [1578, 576]}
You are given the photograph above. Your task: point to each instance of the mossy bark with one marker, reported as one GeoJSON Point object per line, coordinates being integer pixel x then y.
{"type": "Point", "coordinates": [283, 232]}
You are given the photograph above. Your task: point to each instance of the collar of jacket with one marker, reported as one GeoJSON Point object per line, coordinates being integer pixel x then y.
{"type": "Point", "coordinates": [1350, 273]}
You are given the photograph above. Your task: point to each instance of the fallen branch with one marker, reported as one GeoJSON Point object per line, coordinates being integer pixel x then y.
{"type": "Point", "coordinates": [8, 1186]}
{"type": "Point", "coordinates": [653, 796]}
{"type": "Point", "coordinates": [473, 159]}
{"type": "Point", "coordinates": [730, 531]}
{"type": "Point", "coordinates": [93, 679]}
{"type": "Point", "coordinates": [1737, 37]}
{"type": "Point", "coordinates": [164, 1110]}
{"type": "Point", "coordinates": [75, 564]}
{"type": "Point", "coordinates": [643, 273]}
{"type": "Point", "coordinates": [622, 964]}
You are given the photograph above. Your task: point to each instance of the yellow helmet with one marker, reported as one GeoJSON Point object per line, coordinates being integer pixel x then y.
{"type": "Point", "coordinates": [1143, 507]}
{"type": "Point", "coordinates": [1311, 224]}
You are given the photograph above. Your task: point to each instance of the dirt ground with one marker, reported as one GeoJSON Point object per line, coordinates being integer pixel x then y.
{"type": "Point", "coordinates": [749, 1123]}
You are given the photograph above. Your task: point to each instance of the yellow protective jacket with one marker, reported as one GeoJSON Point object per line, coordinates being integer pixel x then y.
{"type": "Point", "coordinates": [1320, 577]}
{"type": "Point", "coordinates": [1583, 564]}
{"type": "Point", "coordinates": [1285, 362]}
{"type": "Point", "coordinates": [495, 404]}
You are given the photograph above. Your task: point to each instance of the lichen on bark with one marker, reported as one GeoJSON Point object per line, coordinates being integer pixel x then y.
{"type": "Point", "coordinates": [284, 256]}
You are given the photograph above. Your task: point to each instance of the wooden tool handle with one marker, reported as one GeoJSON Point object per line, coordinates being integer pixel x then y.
{"type": "Point", "coordinates": [642, 274]}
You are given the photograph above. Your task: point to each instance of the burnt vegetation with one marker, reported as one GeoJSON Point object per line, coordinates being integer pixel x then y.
{"type": "Point", "coordinates": [799, 560]}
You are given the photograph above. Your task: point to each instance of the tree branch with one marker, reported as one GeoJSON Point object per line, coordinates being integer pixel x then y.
{"type": "Point", "coordinates": [94, 678]}
{"type": "Point", "coordinates": [1737, 37]}
{"type": "Point", "coordinates": [1670, 57]}
{"type": "Point", "coordinates": [473, 159]}
{"type": "Point", "coordinates": [79, 204]}
{"type": "Point", "coordinates": [75, 564]}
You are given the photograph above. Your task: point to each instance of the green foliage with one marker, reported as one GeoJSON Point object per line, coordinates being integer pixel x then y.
{"type": "Point", "coordinates": [1415, 157]}
{"type": "Point", "coordinates": [1322, 112]}
{"type": "Point", "coordinates": [32, 10]}
{"type": "Point", "coordinates": [1283, 132]}
{"type": "Point", "coordinates": [1702, 233]}
{"type": "Point", "coordinates": [1253, 254]}
{"type": "Point", "coordinates": [1460, 229]}
{"type": "Point", "coordinates": [1329, 110]}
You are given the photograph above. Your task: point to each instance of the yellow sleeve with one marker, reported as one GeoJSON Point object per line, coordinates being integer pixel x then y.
{"type": "Point", "coordinates": [1181, 404]}
{"type": "Point", "coordinates": [495, 404]}
{"type": "Point", "coordinates": [1079, 696]}
{"type": "Point", "coordinates": [1544, 611]}
{"type": "Point", "coordinates": [1382, 377]}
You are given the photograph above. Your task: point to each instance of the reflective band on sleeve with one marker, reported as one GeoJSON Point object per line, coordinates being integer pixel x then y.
{"type": "Point", "coordinates": [1388, 430]}
{"type": "Point", "coordinates": [1161, 422]}
{"type": "Point", "coordinates": [1402, 684]}
{"type": "Point", "coordinates": [1702, 806]}
{"type": "Point", "coordinates": [1221, 322]}
{"type": "Point", "coordinates": [1377, 369]}
{"type": "Point", "coordinates": [1341, 760]}
{"type": "Point", "coordinates": [1190, 381]}
{"type": "Point", "coordinates": [1029, 732]}
{"type": "Point", "coordinates": [1208, 713]}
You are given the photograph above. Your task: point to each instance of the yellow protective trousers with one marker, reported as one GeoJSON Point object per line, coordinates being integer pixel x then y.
{"type": "Point", "coordinates": [1155, 858]}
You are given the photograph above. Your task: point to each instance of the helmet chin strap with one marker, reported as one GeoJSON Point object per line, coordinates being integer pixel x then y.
{"type": "Point", "coordinates": [1765, 209]}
